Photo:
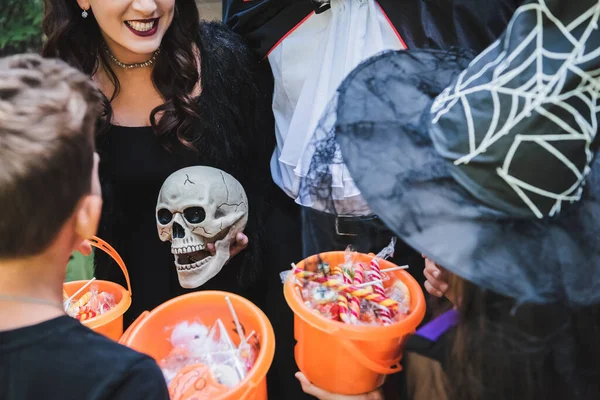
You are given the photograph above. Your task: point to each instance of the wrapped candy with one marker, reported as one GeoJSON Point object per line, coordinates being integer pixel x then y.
{"type": "Point", "coordinates": [399, 292]}
{"type": "Point", "coordinates": [384, 313]}
{"type": "Point", "coordinates": [184, 333]}
{"type": "Point", "coordinates": [322, 300]}
{"type": "Point", "coordinates": [82, 316]}
{"type": "Point", "coordinates": [106, 302]}
{"type": "Point", "coordinates": [193, 343]}
{"type": "Point", "coordinates": [175, 361]}
{"type": "Point", "coordinates": [354, 292]}
{"type": "Point", "coordinates": [342, 300]}
{"type": "Point", "coordinates": [355, 301]}
{"type": "Point", "coordinates": [322, 295]}
{"type": "Point", "coordinates": [340, 286]}
{"type": "Point", "coordinates": [85, 299]}
{"type": "Point", "coordinates": [323, 268]}
{"type": "Point", "coordinates": [329, 311]}
{"type": "Point", "coordinates": [247, 350]}
{"type": "Point", "coordinates": [205, 362]}
{"type": "Point", "coordinates": [368, 315]}
{"type": "Point", "coordinates": [91, 304]}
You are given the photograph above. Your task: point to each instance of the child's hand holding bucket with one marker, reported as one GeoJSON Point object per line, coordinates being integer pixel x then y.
{"type": "Point", "coordinates": [321, 394]}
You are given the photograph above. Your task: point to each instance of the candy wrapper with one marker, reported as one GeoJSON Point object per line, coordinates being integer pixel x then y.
{"type": "Point", "coordinates": [248, 353]}
{"type": "Point", "coordinates": [284, 275]}
{"type": "Point", "coordinates": [89, 305]}
{"type": "Point", "coordinates": [195, 381]}
{"type": "Point", "coordinates": [185, 333]}
{"type": "Point", "coordinates": [399, 292]}
{"type": "Point", "coordinates": [354, 292]}
{"type": "Point", "coordinates": [207, 355]}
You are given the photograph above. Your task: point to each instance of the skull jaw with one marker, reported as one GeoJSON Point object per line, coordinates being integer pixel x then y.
{"type": "Point", "coordinates": [207, 268]}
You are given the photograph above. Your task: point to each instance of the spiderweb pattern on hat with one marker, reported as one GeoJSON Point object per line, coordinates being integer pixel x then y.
{"type": "Point", "coordinates": [537, 85]}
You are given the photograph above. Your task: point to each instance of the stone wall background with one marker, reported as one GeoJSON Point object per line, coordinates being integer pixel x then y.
{"type": "Point", "coordinates": [209, 9]}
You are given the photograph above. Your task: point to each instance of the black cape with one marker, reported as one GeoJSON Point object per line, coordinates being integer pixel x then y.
{"type": "Point", "coordinates": [472, 24]}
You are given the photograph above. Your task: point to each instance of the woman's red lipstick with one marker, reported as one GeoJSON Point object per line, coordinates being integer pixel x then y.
{"type": "Point", "coordinates": [131, 25]}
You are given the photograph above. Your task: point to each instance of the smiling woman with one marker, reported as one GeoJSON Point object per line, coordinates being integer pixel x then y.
{"type": "Point", "coordinates": [132, 30]}
{"type": "Point", "coordinates": [178, 92]}
{"type": "Point", "coordinates": [95, 36]}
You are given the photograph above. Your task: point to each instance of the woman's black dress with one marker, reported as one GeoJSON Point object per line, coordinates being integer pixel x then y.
{"type": "Point", "coordinates": [235, 134]}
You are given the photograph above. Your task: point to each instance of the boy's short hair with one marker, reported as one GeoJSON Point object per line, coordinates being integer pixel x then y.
{"type": "Point", "coordinates": [48, 111]}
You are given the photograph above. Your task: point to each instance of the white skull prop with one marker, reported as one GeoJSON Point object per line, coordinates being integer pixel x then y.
{"type": "Point", "coordinates": [197, 206]}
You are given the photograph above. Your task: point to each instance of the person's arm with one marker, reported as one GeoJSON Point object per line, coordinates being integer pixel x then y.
{"type": "Point", "coordinates": [143, 381]}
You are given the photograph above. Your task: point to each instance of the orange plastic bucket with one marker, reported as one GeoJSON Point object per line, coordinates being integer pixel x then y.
{"type": "Point", "coordinates": [109, 324]}
{"type": "Point", "coordinates": [148, 334]}
{"type": "Point", "coordinates": [350, 359]}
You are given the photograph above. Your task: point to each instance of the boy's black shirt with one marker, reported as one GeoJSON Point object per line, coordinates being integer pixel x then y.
{"type": "Point", "coordinates": [62, 359]}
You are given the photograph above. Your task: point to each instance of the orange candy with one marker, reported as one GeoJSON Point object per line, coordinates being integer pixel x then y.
{"type": "Point", "coordinates": [82, 316]}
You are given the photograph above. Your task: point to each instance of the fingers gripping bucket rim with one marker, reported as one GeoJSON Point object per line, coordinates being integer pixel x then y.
{"type": "Point", "coordinates": [350, 359]}
{"type": "Point", "coordinates": [148, 335]}
{"type": "Point", "coordinates": [110, 323]}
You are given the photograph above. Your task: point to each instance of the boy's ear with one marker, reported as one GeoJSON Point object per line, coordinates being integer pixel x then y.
{"type": "Point", "coordinates": [88, 216]}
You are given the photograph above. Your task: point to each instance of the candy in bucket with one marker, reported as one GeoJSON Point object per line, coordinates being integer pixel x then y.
{"type": "Point", "coordinates": [90, 304]}
{"type": "Point", "coordinates": [360, 353]}
{"type": "Point", "coordinates": [208, 354]}
{"type": "Point", "coordinates": [353, 292]}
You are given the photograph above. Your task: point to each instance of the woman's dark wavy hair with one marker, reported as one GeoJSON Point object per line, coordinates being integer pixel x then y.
{"type": "Point", "coordinates": [504, 351]}
{"type": "Point", "coordinates": [78, 41]}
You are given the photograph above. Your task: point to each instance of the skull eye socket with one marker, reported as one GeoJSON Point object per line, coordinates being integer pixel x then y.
{"type": "Point", "coordinates": [194, 215]}
{"type": "Point", "coordinates": [164, 216]}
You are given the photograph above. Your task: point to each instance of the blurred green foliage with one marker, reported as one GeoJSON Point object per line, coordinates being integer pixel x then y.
{"type": "Point", "coordinates": [20, 26]}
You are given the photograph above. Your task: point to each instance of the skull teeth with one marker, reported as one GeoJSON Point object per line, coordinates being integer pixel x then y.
{"type": "Point", "coordinates": [191, 267]}
{"type": "Point", "coordinates": [187, 249]}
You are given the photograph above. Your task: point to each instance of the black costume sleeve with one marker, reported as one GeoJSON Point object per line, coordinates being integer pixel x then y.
{"type": "Point", "coordinates": [263, 23]}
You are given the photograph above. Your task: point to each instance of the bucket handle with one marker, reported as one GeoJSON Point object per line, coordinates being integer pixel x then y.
{"type": "Point", "coordinates": [108, 249]}
{"type": "Point", "coordinates": [138, 320]}
{"type": "Point", "coordinates": [372, 365]}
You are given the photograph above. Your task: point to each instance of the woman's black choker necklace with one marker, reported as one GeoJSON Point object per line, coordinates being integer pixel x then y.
{"type": "Point", "coordinates": [130, 66]}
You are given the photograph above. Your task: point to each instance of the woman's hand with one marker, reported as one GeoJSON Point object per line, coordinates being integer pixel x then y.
{"type": "Point", "coordinates": [320, 394]}
{"type": "Point", "coordinates": [241, 242]}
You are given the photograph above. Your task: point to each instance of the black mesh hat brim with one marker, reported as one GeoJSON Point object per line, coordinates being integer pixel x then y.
{"type": "Point", "coordinates": [382, 129]}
